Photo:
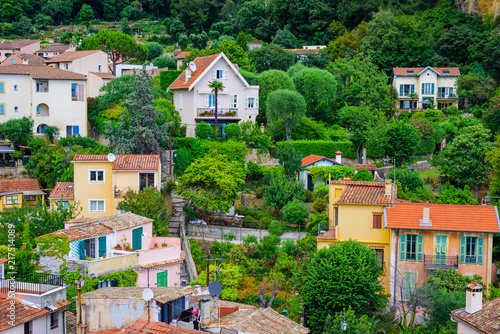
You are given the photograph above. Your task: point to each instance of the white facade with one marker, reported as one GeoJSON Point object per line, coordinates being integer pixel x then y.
{"type": "Point", "coordinates": [62, 103]}
{"type": "Point", "coordinates": [306, 178]}
{"type": "Point", "coordinates": [129, 69]}
{"type": "Point", "coordinates": [239, 101]}
{"type": "Point", "coordinates": [94, 62]}
{"type": "Point", "coordinates": [41, 325]}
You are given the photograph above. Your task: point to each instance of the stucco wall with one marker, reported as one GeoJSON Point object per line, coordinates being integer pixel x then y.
{"type": "Point", "coordinates": [40, 326]}
{"type": "Point", "coordinates": [85, 191]}
{"type": "Point", "coordinates": [174, 277]}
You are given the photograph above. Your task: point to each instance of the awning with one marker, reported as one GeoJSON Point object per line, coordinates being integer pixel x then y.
{"type": "Point", "coordinates": [6, 149]}
{"type": "Point", "coordinates": [33, 192]}
{"type": "Point", "coordinates": [425, 102]}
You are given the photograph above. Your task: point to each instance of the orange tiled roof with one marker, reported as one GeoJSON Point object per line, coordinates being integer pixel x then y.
{"type": "Point", "coordinates": [328, 235]}
{"type": "Point", "coordinates": [104, 75]}
{"type": "Point", "coordinates": [202, 63]}
{"type": "Point", "coordinates": [303, 51]}
{"type": "Point", "coordinates": [367, 167]}
{"type": "Point", "coordinates": [446, 217]}
{"type": "Point", "coordinates": [24, 313]}
{"type": "Point", "coordinates": [18, 185]}
{"type": "Point", "coordinates": [310, 159]}
{"type": "Point", "coordinates": [486, 320]}
{"type": "Point", "coordinates": [162, 263]}
{"type": "Point", "coordinates": [16, 44]}
{"type": "Point", "coordinates": [70, 56]}
{"type": "Point", "coordinates": [18, 59]}
{"type": "Point", "coordinates": [416, 70]}
{"type": "Point", "coordinates": [125, 161]}
{"type": "Point", "coordinates": [364, 192]}
{"type": "Point", "coordinates": [141, 326]}
{"type": "Point", "coordinates": [41, 72]}
{"type": "Point", "coordinates": [84, 231]}
{"type": "Point", "coordinates": [90, 157]}
{"type": "Point", "coordinates": [56, 48]}
{"type": "Point", "coordinates": [182, 55]}
{"type": "Point", "coordinates": [117, 222]}
{"type": "Point", "coordinates": [63, 190]}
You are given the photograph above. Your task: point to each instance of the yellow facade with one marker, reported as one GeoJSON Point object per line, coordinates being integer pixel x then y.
{"type": "Point", "coordinates": [10, 201]}
{"type": "Point", "coordinates": [54, 201]}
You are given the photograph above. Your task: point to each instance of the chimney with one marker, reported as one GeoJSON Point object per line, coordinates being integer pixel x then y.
{"type": "Point", "coordinates": [183, 283]}
{"type": "Point", "coordinates": [188, 74]}
{"type": "Point", "coordinates": [388, 187]}
{"type": "Point", "coordinates": [425, 221]}
{"type": "Point", "coordinates": [25, 61]}
{"type": "Point", "coordinates": [338, 157]}
{"type": "Point", "coordinates": [198, 289]}
{"type": "Point", "coordinates": [473, 298]}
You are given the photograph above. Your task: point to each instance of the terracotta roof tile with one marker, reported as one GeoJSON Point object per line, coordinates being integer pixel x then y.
{"type": "Point", "coordinates": [8, 185]}
{"type": "Point", "coordinates": [445, 217]}
{"type": "Point", "coordinates": [160, 294]}
{"type": "Point", "coordinates": [104, 75]}
{"type": "Point", "coordinates": [404, 70]}
{"type": "Point", "coordinates": [310, 159]}
{"type": "Point", "coordinates": [56, 48]}
{"type": "Point", "coordinates": [23, 313]}
{"type": "Point", "coordinates": [303, 51]}
{"type": "Point", "coordinates": [164, 262]}
{"type": "Point", "coordinates": [486, 320]}
{"type": "Point", "coordinates": [16, 44]}
{"type": "Point", "coordinates": [367, 167]}
{"type": "Point", "coordinates": [41, 72]}
{"type": "Point", "coordinates": [18, 59]}
{"type": "Point", "coordinates": [182, 55]}
{"type": "Point", "coordinates": [141, 326]}
{"type": "Point", "coordinates": [90, 157]}
{"type": "Point", "coordinates": [84, 231]}
{"type": "Point", "coordinates": [202, 63]}
{"type": "Point", "coordinates": [363, 192]}
{"type": "Point", "coordinates": [70, 56]}
{"type": "Point", "coordinates": [63, 190]}
{"type": "Point", "coordinates": [124, 162]}
{"type": "Point", "coordinates": [118, 222]}
{"type": "Point", "coordinates": [328, 235]}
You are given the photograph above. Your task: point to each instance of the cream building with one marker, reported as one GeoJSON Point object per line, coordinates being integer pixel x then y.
{"type": "Point", "coordinates": [50, 96]}
{"type": "Point", "coordinates": [196, 102]}
{"type": "Point", "coordinates": [21, 46]}
{"type": "Point", "coordinates": [436, 83]}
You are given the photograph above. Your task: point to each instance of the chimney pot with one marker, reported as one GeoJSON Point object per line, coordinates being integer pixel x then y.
{"type": "Point", "coordinates": [338, 157]}
{"type": "Point", "coordinates": [474, 298]}
{"type": "Point", "coordinates": [388, 187]}
{"type": "Point", "coordinates": [425, 221]}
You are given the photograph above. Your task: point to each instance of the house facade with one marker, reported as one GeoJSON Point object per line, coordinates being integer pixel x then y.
{"type": "Point", "coordinates": [63, 195]}
{"type": "Point", "coordinates": [15, 192]}
{"type": "Point", "coordinates": [314, 160]}
{"type": "Point", "coordinates": [356, 212]}
{"type": "Point", "coordinates": [23, 59]}
{"type": "Point", "coordinates": [96, 80]}
{"type": "Point", "coordinates": [425, 237]}
{"type": "Point", "coordinates": [238, 101]}
{"type": "Point", "coordinates": [18, 47]}
{"type": "Point", "coordinates": [50, 96]}
{"type": "Point", "coordinates": [431, 85]}
{"type": "Point", "coordinates": [81, 62]}
{"type": "Point", "coordinates": [54, 50]}
{"type": "Point", "coordinates": [181, 59]}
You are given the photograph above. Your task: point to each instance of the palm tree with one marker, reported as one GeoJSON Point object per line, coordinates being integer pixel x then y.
{"type": "Point", "coordinates": [217, 87]}
{"type": "Point", "coordinates": [413, 96]}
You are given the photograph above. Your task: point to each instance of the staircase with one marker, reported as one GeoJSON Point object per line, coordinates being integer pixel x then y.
{"type": "Point", "coordinates": [178, 218]}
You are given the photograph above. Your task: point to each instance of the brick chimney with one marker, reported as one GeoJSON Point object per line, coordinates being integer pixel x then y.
{"type": "Point", "coordinates": [388, 187]}
{"type": "Point", "coordinates": [474, 298]}
{"type": "Point", "coordinates": [338, 157]}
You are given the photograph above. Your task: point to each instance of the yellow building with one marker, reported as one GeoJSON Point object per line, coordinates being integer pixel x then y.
{"type": "Point", "coordinates": [15, 192]}
{"type": "Point", "coordinates": [62, 195]}
{"type": "Point", "coordinates": [357, 212]}
{"type": "Point", "coordinates": [101, 181]}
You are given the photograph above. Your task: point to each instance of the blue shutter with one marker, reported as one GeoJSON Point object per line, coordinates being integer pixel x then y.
{"type": "Point", "coordinates": [102, 246]}
{"type": "Point", "coordinates": [2, 87]}
{"type": "Point", "coordinates": [479, 251]}
{"type": "Point", "coordinates": [432, 89]}
{"type": "Point", "coordinates": [81, 248]}
{"type": "Point", "coordinates": [2, 109]}
{"type": "Point", "coordinates": [420, 247]}
{"type": "Point", "coordinates": [412, 89]}
{"type": "Point", "coordinates": [451, 92]}
{"type": "Point", "coordinates": [401, 90]}
{"type": "Point", "coordinates": [423, 89]}
{"type": "Point", "coordinates": [137, 238]}
{"type": "Point", "coordinates": [76, 130]}
{"type": "Point", "coordinates": [463, 241]}
{"type": "Point", "coordinates": [402, 247]}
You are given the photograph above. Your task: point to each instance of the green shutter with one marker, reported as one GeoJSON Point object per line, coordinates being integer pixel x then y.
{"type": "Point", "coordinates": [412, 89]}
{"type": "Point", "coordinates": [479, 257]}
{"type": "Point", "coordinates": [423, 89]}
{"type": "Point", "coordinates": [401, 90]}
{"type": "Point", "coordinates": [420, 247]}
{"type": "Point", "coordinates": [402, 247]}
{"type": "Point", "coordinates": [432, 89]}
{"type": "Point", "coordinates": [81, 247]}
{"type": "Point", "coordinates": [137, 238]}
{"type": "Point", "coordinates": [463, 241]}
{"type": "Point", "coordinates": [162, 279]}
{"type": "Point", "coordinates": [451, 92]}
{"type": "Point", "coordinates": [102, 246]}
{"type": "Point", "coordinates": [441, 249]}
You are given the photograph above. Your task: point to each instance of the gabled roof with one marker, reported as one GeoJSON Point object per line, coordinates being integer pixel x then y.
{"type": "Point", "coordinates": [260, 321]}
{"type": "Point", "coordinates": [70, 56]}
{"type": "Point", "coordinates": [310, 159]}
{"type": "Point", "coordinates": [18, 185]}
{"type": "Point", "coordinates": [23, 313]}
{"type": "Point", "coordinates": [416, 71]}
{"type": "Point", "coordinates": [486, 320]}
{"type": "Point", "coordinates": [56, 48]}
{"type": "Point", "coordinates": [84, 231]}
{"type": "Point", "coordinates": [165, 262]}
{"type": "Point", "coordinates": [444, 217]}
{"type": "Point", "coordinates": [115, 222]}
{"type": "Point", "coordinates": [182, 55]}
{"type": "Point", "coordinates": [203, 66]}
{"type": "Point", "coordinates": [364, 192]}
{"type": "Point", "coordinates": [364, 166]}
{"type": "Point", "coordinates": [124, 161]}
{"type": "Point", "coordinates": [160, 294]}
{"type": "Point", "coordinates": [141, 326]}
{"type": "Point", "coordinates": [18, 59]}
{"type": "Point", "coordinates": [41, 72]}
{"type": "Point", "coordinates": [63, 190]}
{"type": "Point", "coordinates": [16, 44]}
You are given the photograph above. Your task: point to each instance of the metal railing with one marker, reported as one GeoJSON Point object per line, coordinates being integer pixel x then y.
{"type": "Point", "coordinates": [221, 112]}
{"type": "Point", "coordinates": [447, 96]}
{"type": "Point", "coordinates": [440, 262]}
{"type": "Point", "coordinates": [31, 282]}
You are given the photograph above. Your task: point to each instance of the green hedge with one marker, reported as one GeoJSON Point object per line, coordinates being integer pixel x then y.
{"type": "Point", "coordinates": [167, 77]}
{"type": "Point", "coordinates": [325, 148]}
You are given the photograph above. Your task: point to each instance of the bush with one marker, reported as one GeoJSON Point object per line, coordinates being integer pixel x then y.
{"type": "Point", "coordinates": [309, 196]}
{"type": "Point", "coordinates": [321, 147]}
{"type": "Point", "coordinates": [204, 131]}
{"type": "Point", "coordinates": [296, 212]}
{"type": "Point", "coordinates": [321, 191]}
{"type": "Point", "coordinates": [409, 179]}
{"type": "Point", "coordinates": [84, 142]}
{"type": "Point", "coordinates": [319, 205]}
{"type": "Point", "coordinates": [232, 130]}
{"type": "Point", "coordinates": [276, 228]}
{"type": "Point", "coordinates": [434, 115]}
{"type": "Point", "coordinates": [362, 175]}
{"type": "Point", "coordinates": [336, 172]}
{"type": "Point", "coordinates": [316, 219]}
{"type": "Point", "coordinates": [451, 110]}
{"type": "Point", "coordinates": [306, 129]}
{"type": "Point", "coordinates": [167, 77]}
{"type": "Point", "coordinates": [259, 192]}
{"type": "Point", "coordinates": [165, 61]}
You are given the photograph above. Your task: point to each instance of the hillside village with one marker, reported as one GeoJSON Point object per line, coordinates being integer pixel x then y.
{"type": "Point", "coordinates": [249, 167]}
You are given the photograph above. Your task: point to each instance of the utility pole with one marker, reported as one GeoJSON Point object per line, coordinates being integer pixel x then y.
{"type": "Point", "coordinates": [208, 267]}
{"type": "Point", "coordinates": [170, 149]}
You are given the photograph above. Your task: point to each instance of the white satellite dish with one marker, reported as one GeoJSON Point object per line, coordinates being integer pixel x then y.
{"type": "Point", "coordinates": [147, 294]}
{"type": "Point", "coordinates": [111, 157]}
{"type": "Point", "coordinates": [192, 66]}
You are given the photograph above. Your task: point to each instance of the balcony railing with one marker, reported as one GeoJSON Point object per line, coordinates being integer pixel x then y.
{"type": "Point", "coordinates": [447, 96]}
{"type": "Point", "coordinates": [31, 282]}
{"type": "Point", "coordinates": [440, 262]}
{"type": "Point", "coordinates": [221, 112]}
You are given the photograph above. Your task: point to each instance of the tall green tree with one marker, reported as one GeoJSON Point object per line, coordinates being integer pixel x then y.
{"type": "Point", "coordinates": [288, 106]}
{"type": "Point", "coordinates": [269, 81]}
{"type": "Point", "coordinates": [402, 142]}
{"type": "Point", "coordinates": [17, 130]}
{"type": "Point", "coordinates": [358, 120]}
{"type": "Point", "coordinates": [86, 13]}
{"type": "Point", "coordinates": [280, 191]}
{"type": "Point", "coordinates": [271, 57]}
{"type": "Point", "coordinates": [475, 89]}
{"type": "Point", "coordinates": [291, 160]}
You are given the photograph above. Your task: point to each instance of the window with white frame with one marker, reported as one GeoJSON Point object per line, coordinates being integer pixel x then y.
{"type": "Point", "coordinates": [10, 200]}
{"type": "Point", "coordinates": [427, 88]}
{"type": "Point", "coordinates": [97, 205]}
{"type": "Point", "coordinates": [54, 320]}
{"type": "Point", "coordinates": [62, 204]}
{"type": "Point", "coordinates": [219, 74]}
{"type": "Point", "coordinates": [96, 176]}
{"type": "Point", "coordinates": [234, 103]}
{"type": "Point", "coordinates": [252, 103]}
{"type": "Point", "coordinates": [30, 198]}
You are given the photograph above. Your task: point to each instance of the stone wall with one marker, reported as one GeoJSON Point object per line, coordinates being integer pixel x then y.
{"type": "Point", "coordinates": [263, 159]}
{"type": "Point", "coordinates": [249, 201]}
{"type": "Point", "coordinates": [13, 173]}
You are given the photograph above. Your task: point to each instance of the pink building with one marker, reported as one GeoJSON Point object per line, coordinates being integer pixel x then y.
{"type": "Point", "coordinates": [115, 243]}
{"type": "Point", "coordinates": [18, 47]}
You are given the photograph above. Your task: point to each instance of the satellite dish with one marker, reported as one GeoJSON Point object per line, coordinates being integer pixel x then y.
{"type": "Point", "coordinates": [147, 294]}
{"type": "Point", "coordinates": [215, 288]}
{"type": "Point", "coordinates": [111, 157]}
{"type": "Point", "coordinates": [192, 66]}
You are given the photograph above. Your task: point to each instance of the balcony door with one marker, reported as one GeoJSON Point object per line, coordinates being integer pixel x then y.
{"type": "Point", "coordinates": [146, 180]}
{"type": "Point", "coordinates": [441, 249]}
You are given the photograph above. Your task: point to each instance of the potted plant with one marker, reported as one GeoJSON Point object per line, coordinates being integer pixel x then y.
{"type": "Point", "coordinates": [118, 247]}
{"type": "Point", "coordinates": [127, 247]}
{"type": "Point", "coordinates": [156, 245]}
{"type": "Point", "coordinates": [164, 244]}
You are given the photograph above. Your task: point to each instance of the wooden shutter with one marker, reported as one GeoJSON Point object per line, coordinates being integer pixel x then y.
{"type": "Point", "coordinates": [137, 238]}
{"type": "Point", "coordinates": [102, 246]}
{"type": "Point", "coordinates": [463, 242]}
{"type": "Point", "coordinates": [479, 251]}
{"type": "Point", "coordinates": [432, 89]}
{"type": "Point", "coordinates": [377, 221]}
{"type": "Point", "coordinates": [162, 279]}
{"type": "Point", "coordinates": [76, 130]}
{"type": "Point", "coordinates": [2, 109]}
{"type": "Point", "coordinates": [81, 249]}
{"type": "Point", "coordinates": [423, 89]}
{"type": "Point", "coordinates": [412, 89]}
{"type": "Point", "coordinates": [81, 92]}
{"type": "Point", "coordinates": [420, 247]}
{"type": "Point", "coordinates": [402, 247]}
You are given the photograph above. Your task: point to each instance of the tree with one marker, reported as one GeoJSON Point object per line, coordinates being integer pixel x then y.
{"type": "Point", "coordinates": [402, 143]}
{"type": "Point", "coordinates": [204, 131]}
{"type": "Point", "coordinates": [475, 89]}
{"type": "Point", "coordinates": [52, 132]}
{"type": "Point", "coordinates": [286, 105]}
{"type": "Point", "coordinates": [183, 41]}
{"type": "Point", "coordinates": [199, 40]}
{"type": "Point", "coordinates": [342, 276]}
{"type": "Point", "coordinates": [349, 43]}
{"type": "Point", "coordinates": [241, 40]}
{"type": "Point", "coordinates": [59, 10]}
{"type": "Point", "coordinates": [86, 13]}
{"type": "Point", "coordinates": [291, 160]}
{"type": "Point", "coordinates": [18, 131]}
{"type": "Point", "coordinates": [216, 87]}
{"type": "Point", "coordinates": [296, 212]}
{"type": "Point", "coordinates": [235, 53]}
{"type": "Point", "coordinates": [42, 21]}
{"type": "Point", "coordinates": [175, 28]}
{"type": "Point", "coordinates": [212, 183]}
{"type": "Point", "coordinates": [452, 195]}
{"type": "Point", "coordinates": [358, 121]}
{"type": "Point", "coordinates": [271, 57]}
{"type": "Point", "coordinates": [116, 44]}
{"type": "Point", "coordinates": [269, 81]}
{"type": "Point", "coordinates": [362, 175]}
{"type": "Point", "coordinates": [154, 50]}
{"type": "Point", "coordinates": [165, 61]}
{"type": "Point", "coordinates": [319, 89]}
{"type": "Point", "coordinates": [280, 191]}
{"type": "Point", "coordinates": [286, 39]}
{"type": "Point", "coordinates": [109, 9]}
{"type": "Point", "coordinates": [464, 159]}
{"type": "Point", "coordinates": [148, 203]}
{"type": "Point", "coordinates": [354, 322]}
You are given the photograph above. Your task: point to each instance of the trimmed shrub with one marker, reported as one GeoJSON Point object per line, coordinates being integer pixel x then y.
{"type": "Point", "coordinates": [362, 175]}
{"type": "Point", "coordinates": [233, 130]}
{"type": "Point", "coordinates": [204, 131]}
{"type": "Point", "coordinates": [325, 148]}
{"type": "Point", "coordinates": [167, 77]}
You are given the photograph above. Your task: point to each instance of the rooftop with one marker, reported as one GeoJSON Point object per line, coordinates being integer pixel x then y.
{"type": "Point", "coordinates": [413, 71]}
{"type": "Point", "coordinates": [162, 294]}
{"type": "Point", "coordinates": [310, 159]}
{"type": "Point", "coordinates": [56, 48]}
{"type": "Point", "coordinates": [32, 59]}
{"type": "Point", "coordinates": [104, 75]}
{"type": "Point", "coordinates": [70, 56]}
{"type": "Point", "coordinates": [115, 222]}
{"type": "Point", "coordinates": [16, 44]}
{"type": "Point", "coordinates": [303, 51]}
{"type": "Point", "coordinates": [202, 63]}
{"type": "Point", "coordinates": [445, 217]}
{"type": "Point", "coordinates": [164, 262]}
{"type": "Point", "coordinates": [182, 55]}
{"type": "Point", "coordinates": [124, 162]}
{"type": "Point", "coordinates": [141, 326]}
{"type": "Point", "coordinates": [365, 192]}
{"type": "Point", "coordinates": [63, 190]}
{"type": "Point", "coordinates": [364, 166]}
{"type": "Point", "coordinates": [486, 320]}
{"type": "Point", "coordinates": [18, 185]}
{"type": "Point", "coordinates": [41, 72]}
{"type": "Point", "coordinates": [153, 72]}
{"type": "Point", "coordinates": [330, 235]}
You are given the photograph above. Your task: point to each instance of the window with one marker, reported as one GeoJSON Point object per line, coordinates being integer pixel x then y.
{"type": "Point", "coordinates": [30, 198]}
{"type": "Point", "coordinates": [377, 220]}
{"type": "Point", "coordinates": [54, 320]}
{"type": "Point", "coordinates": [72, 130]}
{"type": "Point", "coordinates": [16, 108]}
{"type": "Point", "coordinates": [471, 250]}
{"type": "Point", "coordinates": [96, 176]}
{"type": "Point", "coordinates": [99, 68]}
{"type": "Point", "coordinates": [162, 279]}
{"type": "Point", "coordinates": [411, 247]}
{"type": "Point", "coordinates": [445, 92]}
{"type": "Point", "coordinates": [41, 128]}
{"type": "Point", "coordinates": [42, 86]}
{"type": "Point", "coordinates": [12, 60]}
{"type": "Point", "coordinates": [427, 89]}
{"type": "Point", "coordinates": [380, 258]}
{"type": "Point", "coordinates": [96, 205]}
{"type": "Point", "coordinates": [28, 328]}
{"type": "Point", "coordinates": [2, 108]}
{"type": "Point", "coordinates": [15, 87]}
{"type": "Point", "coordinates": [66, 66]}
{"type": "Point", "coordinates": [211, 100]}
{"type": "Point", "coordinates": [10, 200]}
{"type": "Point", "coordinates": [219, 74]}
{"type": "Point", "coordinates": [404, 104]}
{"type": "Point", "coordinates": [62, 205]}
{"type": "Point", "coordinates": [2, 87]}
{"type": "Point", "coordinates": [77, 92]}
{"type": "Point", "coordinates": [252, 103]}
{"type": "Point", "coordinates": [406, 90]}
{"type": "Point", "coordinates": [234, 103]}
{"type": "Point", "coordinates": [335, 216]}
{"type": "Point", "coordinates": [146, 180]}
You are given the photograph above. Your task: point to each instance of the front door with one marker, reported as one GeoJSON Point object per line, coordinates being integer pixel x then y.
{"type": "Point", "coordinates": [310, 185]}
{"type": "Point", "coordinates": [137, 238]}
{"type": "Point", "coordinates": [441, 249]}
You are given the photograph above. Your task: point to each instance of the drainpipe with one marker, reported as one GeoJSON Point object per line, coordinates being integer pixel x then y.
{"type": "Point", "coordinates": [396, 266]}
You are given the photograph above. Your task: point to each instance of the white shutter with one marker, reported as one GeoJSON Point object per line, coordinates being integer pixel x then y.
{"type": "Point", "coordinates": [214, 74]}
{"type": "Point", "coordinates": [206, 100]}
{"type": "Point", "coordinates": [225, 74]}
{"type": "Point", "coordinates": [218, 101]}
{"type": "Point", "coordinates": [256, 103]}
{"type": "Point", "coordinates": [246, 102]}
{"type": "Point", "coordinates": [181, 102]}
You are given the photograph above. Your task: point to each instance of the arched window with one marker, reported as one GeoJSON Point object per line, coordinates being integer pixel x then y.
{"type": "Point", "coordinates": [41, 128]}
{"type": "Point", "coordinates": [42, 110]}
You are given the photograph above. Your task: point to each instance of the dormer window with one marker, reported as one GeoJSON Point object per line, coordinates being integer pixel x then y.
{"type": "Point", "coordinates": [409, 71]}
{"type": "Point", "coordinates": [446, 71]}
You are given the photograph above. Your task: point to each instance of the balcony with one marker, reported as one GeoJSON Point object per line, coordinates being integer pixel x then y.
{"type": "Point", "coordinates": [447, 96]}
{"type": "Point", "coordinates": [119, 260]}
{"type": "Point", "coordinates": [221, 112]}
{"type": "Point", "coordinates": [432, 262]}
{"type": "Point", "coordinates": [161, 249]}
{"type": "Point", "coordinates": [30, 282]}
